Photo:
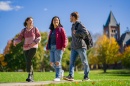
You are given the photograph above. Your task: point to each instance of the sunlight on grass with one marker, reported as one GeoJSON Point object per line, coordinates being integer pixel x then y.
{"type": "Point", "coordinates": [98, 78]}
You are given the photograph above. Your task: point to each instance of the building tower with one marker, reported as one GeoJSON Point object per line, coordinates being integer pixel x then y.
{"type": "Point", "coordinates": [112, 28]}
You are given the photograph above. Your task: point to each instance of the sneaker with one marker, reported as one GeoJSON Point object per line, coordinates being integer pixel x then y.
{"type": "Point", "coordinates": [57, 79]}
{"type": "Point", "coordinates": [69, 78]}
{"type": "Point", "coordinates": [86, 79]}
{"type": "Point", "coordinates": [30, 78]}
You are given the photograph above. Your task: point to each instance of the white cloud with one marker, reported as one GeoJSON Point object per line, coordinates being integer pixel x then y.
{"type": "Point", "coordinates": [18, 7]}
{"type": "Point", "coordinates": [45, 9]}
{"type": "Point", "coordinates": [6, 6]}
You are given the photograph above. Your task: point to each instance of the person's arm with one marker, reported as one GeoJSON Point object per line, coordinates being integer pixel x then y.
{"type": "Point", "coordinates": [19, 39]}
{"type": "Point", "coordinates": [37, 38]}
{"type": "Point", "coordinates": [64, 38]}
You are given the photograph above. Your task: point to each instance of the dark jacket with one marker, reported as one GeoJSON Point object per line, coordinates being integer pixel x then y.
{"type": "Point", "coordinates": [61, 39]}
{"type": "Point", "coordinates": [77, 38]}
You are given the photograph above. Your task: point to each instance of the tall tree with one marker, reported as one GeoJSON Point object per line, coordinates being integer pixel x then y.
{"type": "Point", "coordinates": [106, 50]}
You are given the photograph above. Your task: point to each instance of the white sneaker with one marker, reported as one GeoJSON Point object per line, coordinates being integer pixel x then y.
{"type": "Point", "coordinates": [57, 79]}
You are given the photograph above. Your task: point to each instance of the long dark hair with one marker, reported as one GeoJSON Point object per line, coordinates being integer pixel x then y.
{"type": "Point", "coordinates": [25, 24]}
{"type": "Point", "coordinates": [52, 26]}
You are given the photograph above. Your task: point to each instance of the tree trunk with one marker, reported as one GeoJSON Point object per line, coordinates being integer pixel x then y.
{"type": "Point", "coordinates": [0, 68]}
{"type": "Point", "coordinates": [104, 67]}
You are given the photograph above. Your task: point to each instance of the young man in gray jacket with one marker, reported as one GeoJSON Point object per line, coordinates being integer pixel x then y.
{"type": "Point", "coordinates": [78, 47]}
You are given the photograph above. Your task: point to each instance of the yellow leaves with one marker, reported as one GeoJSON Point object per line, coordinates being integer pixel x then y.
{"type": "Point", "coordinates": [76, 82]}
{"type": "Point", "coordinates": [1, 57]}
{"type": "Point", "coordinates": [127, 49]}
{"type": "Point", "coordinates": [126, 52]}
{"type": "Point", "coordinates": [106, 49]}
{"type": "Point", "coordinates": [103, 39]}
{"type": "Point", "coordinates": [93, 83]}
{"type": "Point", "coordinates": [3, 63]}
{"type": "Point", "coordinates": [2, 60]}
{"type": "Point", "coordinates": [126, 57]}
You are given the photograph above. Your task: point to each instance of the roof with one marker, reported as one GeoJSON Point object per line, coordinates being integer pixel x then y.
{"type": "Point", "coordinates": [111, 21]}
{"type": "Point", "coordinates": [125, 38]}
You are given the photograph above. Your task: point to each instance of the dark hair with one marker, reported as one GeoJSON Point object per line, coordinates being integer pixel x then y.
{"type": "Point", "coordinates": [25, 24]}
{"type": "Point", "coordinates": [52, 26]}
{"type": "Point", "coordinates": [75, 14]}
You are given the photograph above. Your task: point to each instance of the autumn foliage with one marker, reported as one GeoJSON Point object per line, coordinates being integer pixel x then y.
{"type": "Point", "coordinates": [2, 63]}
{"type": "Point", "coordinates": [126, 57]}
{"type": "Point", "coordinates": [105, 51]}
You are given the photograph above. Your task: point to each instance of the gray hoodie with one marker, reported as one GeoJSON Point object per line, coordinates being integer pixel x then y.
{"type": "Point", "coordinates": [77, 38]}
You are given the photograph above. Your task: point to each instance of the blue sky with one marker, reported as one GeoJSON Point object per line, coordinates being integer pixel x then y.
{"type": "Point", "coordinates": [93, 14]}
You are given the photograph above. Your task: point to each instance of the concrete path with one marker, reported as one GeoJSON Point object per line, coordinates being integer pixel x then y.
{"type": "Point", "coordinates": [42, 83]}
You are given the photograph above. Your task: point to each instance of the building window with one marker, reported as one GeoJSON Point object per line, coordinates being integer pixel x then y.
{"type": "Point", "coordinates": [113, 31]}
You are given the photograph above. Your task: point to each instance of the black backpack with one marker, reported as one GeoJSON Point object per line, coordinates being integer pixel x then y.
{"type": "Point", "coordinates": [88, 39]}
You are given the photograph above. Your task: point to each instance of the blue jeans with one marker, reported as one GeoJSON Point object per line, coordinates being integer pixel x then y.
{"type": "Point", "coordinates": [56, 56]}
{"type": "Point", "coordinates": [74, 54]}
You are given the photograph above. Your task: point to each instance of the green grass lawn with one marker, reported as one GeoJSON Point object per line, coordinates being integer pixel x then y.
{"type": "Point", "coordinates": [98, 78]}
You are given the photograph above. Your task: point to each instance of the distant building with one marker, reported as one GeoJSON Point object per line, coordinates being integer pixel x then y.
{"type": "Point", "coordinates": [124, 40]}
{"type": "Point", "coordinates": [112, 28]}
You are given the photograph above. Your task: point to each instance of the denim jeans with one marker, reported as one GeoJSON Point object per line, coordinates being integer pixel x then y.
{"type": "Point", "coordinates": [56, 56]}
{"type": "Point", "coordinates": [74, 54]}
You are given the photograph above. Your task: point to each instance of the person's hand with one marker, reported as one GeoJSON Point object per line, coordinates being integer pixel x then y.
{"type": "Point", "coordinates": [32, 44]}
{"type": "Point", "coordinates": [63, 49]}
{"type": "Point", "coordinates": [74, 31]}
{"type": "Point", "coordinates": [47, 51]}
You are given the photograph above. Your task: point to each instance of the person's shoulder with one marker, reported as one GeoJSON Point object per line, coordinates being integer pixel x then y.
{"type": "Point", "coordinates": [80, 24]}
{"type": "Point", "coordinates": [23, 29]}
{"type": "Point", "coordinates": [61, 29]}
{"type": "Point", "coordinates": [35, 28]}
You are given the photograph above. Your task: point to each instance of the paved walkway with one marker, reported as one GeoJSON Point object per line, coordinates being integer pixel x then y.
{"type": "Point", "coordinates": [42, 83]}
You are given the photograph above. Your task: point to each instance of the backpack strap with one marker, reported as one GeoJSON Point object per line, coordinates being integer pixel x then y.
{"type": "Point", "coordinates": [35, 30]}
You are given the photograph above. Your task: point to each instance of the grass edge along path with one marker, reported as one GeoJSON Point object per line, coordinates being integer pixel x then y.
{"type": "Point", "coordinates": [40, 83]}
{"type": "Point", "coordinates": [112, 82]}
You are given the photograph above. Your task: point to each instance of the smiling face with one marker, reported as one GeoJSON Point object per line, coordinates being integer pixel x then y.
{"type": "Point", "coordinates": [29, 22]}
{"type": "Point", "coordinates": [56, 22]}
